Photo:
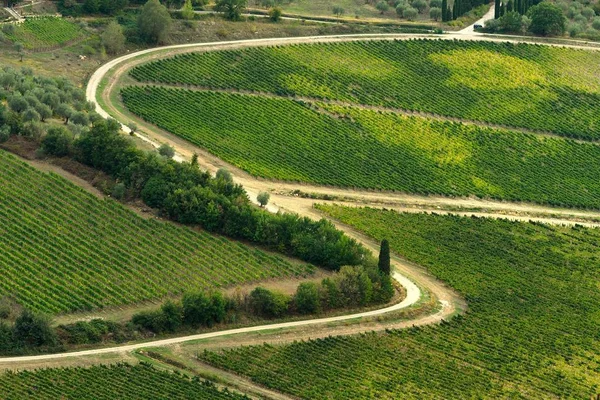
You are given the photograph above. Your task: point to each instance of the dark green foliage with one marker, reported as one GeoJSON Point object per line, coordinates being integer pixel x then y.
{"type": "Point", "coordinates": [384, 258]}
{"type": "Point", "coordinates": [200, 309]}
{"type": "Point", "coordinates": [232, 9]}
{"type": "Point", "coordinates": [533, 301]}
{"type": "Point", "coordinates": [547, 19]}
{"type": "Point", "coordinates": [188, 195]}
{"type": "Point", "coordinates": [57, 142]}
{"type": "Point", "coordinates": [267, 303]}
{"type": "Point", "coordinates": [307, 299]}
{"type": "Point", "coordinates": [33, 330]}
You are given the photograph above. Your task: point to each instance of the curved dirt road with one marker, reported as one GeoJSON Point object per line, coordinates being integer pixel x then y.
{"type": "Point", "coordinates": [448, 299]}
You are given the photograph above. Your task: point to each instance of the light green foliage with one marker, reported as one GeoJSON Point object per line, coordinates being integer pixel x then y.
{"type": "Point", "coordinates": [541, 88]}
{"type": "Point", "coordinates": [45, 32]}
{"type": "Point", "coordinates": [113, 38]}
{"type": "Point", "coordinates": [63, 249]}
{"type": "Point", "coordinates": [532, 293]}
{"type": "Point", "coordinates": [368, 149]}
{"type": "Point", "coordinates": [154, 22]}
{"type": "Point", "coordinates": [121, 381]}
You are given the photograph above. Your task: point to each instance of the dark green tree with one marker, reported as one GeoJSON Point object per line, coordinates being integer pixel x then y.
{"type": "Point", "coordinates": [307, 298]}
{"type": "Point", "coordinates": [497, 9]}
{"type": "Point", "coordinates": [33, 330]}
{"type": "Point", "coordinates": [384, 258]}
{"type": "Point", "coordinates": [546, 19]}
{"type": "Point", "coordinates": [444, 10]}
{"type": "Point", "coordinates": [232, 9]}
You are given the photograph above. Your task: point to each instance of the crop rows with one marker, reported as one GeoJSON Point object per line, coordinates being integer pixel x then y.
{"type": "Point", "coordinates": [529, 332]}
{"type": "Point", "coordinates": [530, 86]}
{"type": "Point", "coordinates": [45, 32]}
{"type": "Point", "coordinates": [120, 381]}
{"type": "Point", "coordinates": [283, 139]}
{"type": "Point", "coordinates": [62, 249]}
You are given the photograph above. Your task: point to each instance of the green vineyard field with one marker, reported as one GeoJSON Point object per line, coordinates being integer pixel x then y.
{"type": "Point", "coordinates": [351, 147]}
{"type": "Point", "coordinates": [45, 32]}
{"type": "Point", "coordinates": [120, 381]}
{"type": "Point", "coordinates": [520, 85]}
{"type": "Point", "coordinates": [63, 249]}
{"type": "Point", "coordinates": [531, 329]}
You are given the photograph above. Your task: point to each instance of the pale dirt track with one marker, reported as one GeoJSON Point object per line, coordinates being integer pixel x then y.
{"type": "Point", "coordinates": [449, 301]}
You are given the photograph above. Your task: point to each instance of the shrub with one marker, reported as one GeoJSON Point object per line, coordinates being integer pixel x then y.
{"type": "Point", "coordinates": [275, 14]}
{"type": "Point", "coordinates": [268, 304]}
{"type": "Point", "coordinates": [307, 298]}
{"type": "Point", "coordinates": [57, 142]}
{"type": "Point", "coordinates": [410, 13]}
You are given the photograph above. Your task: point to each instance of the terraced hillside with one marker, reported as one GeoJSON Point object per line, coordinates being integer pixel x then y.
{"type": "Point", "coordinates": [530, 331]}
{"type": "Point", "coordinates": [120, 381]}
{"type": "Point", "coordinates": [63, 249]}
{"type": "Point", "coordinates": [417, 116]}
{"type": "Point", "coordinates": [520, 85]}
{"type": "Point", "coordinates": [347, 146]}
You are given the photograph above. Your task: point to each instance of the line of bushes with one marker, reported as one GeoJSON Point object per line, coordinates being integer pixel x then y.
{"type": "Point", "coordinates": [350, 287]}
{"type": "Point", "coordinates": [184, 193]}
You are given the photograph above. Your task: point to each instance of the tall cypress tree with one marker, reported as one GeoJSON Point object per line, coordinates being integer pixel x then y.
{"type": "Point", "coordinates": [444, 10]}
{"type": "Point", "coordinates": [384, 258]}
{"type": "Point", "coordinates": [509, 6]}
{"type": "Point", "coordinates": [497, 9]}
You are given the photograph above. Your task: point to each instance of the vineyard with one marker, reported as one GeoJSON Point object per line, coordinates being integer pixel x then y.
{"type": "Point", "coordinates": [64, 249]}
{"type": "Point", "coordinates": [347, 146]}
{"type": "Point", "coordinates": [530, 331]}
{"type": "Point", "coordinates": [45, 32]}
{"type": "Point", "coordinates": [519, 85]}
{"type": "Point", "coordinates": [120, 381]}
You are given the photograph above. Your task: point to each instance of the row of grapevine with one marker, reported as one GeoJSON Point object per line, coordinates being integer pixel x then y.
{"type": "Point", "coordinates": [39, 33]}
{"type": "Point", "coordinates": [286, 140]}
{"type": "Point", "coordinates": [121, 381]}
{"type": "Point", "coordinates": [520, 85]}
{"type": "Point", "coordinates": [532, 293]}
{"type": "Point", "coordinates": [63, 249]}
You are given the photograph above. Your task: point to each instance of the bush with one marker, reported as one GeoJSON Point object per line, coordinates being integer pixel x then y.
{"type": "Point", "coordinates": [435, 13]}
{"type": "Point", "coordinates": [224, 175]}
{"type": "Point", "coordinates": [546, 19]}
{"type": "Point", "coordinates": [268, 304]}
{"type": "Point", "coordinates": [166, 151]}
{"type": "Point", "coordinates": [275, 14]}
{"type": "Point", "coordinates": [57, 142]}
{"type": "Point", "coordinates": [33, 330]}
{"type": "Point", "coordinates": [410, 13]}
{"type": "Point", "coordinates": [263, 198]}
{"type": "Point", "coordinates": [307, 298]}
{"type": "Point", "coordinates": [382, 6]}
{"type": "Point", "coordinates": [596, 23]}
{"type": "Point", "coordinates": [420, 5]}
{"type": "Point", "coordinates": [118, 191]}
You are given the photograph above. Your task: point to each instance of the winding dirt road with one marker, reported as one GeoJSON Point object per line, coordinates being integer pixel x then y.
{"type": "Point", "coordinates": [406, 273]}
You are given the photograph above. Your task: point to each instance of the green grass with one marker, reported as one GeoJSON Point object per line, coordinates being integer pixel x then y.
{"type": "Point", "coordinates": [45, 32]}
{"type": "Point", "coordinates": [119, 381]}
{"type": "Point", "coordinates": [531, 330]}
{"type": "Point", "coordinates": [528, 86]}
{"type": "Point", "coordinates": [63, 249]}
{"type": "Point", "coordinates": [281, 139]}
